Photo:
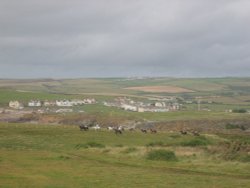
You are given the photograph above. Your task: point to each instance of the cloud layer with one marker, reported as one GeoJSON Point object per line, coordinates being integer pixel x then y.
{"type": "Point", "coordinates": [114, 38]}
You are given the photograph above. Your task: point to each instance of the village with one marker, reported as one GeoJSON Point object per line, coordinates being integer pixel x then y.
{"type": "Point", "coordinates": [138, 106]}
{"type": "Point", "coordinates": [119, 102]}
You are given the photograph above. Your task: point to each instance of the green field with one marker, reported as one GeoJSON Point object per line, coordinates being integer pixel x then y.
{"type": "Point", "coordinates": [219, 90]}
{"type": "Point", "coordinates": [64, 156]}
{"type": "Point", "coordinates": [50, 150]}
{"type": "Point", "coordinates": [217, 95]}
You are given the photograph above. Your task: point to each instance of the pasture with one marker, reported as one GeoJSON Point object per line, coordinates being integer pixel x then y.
{"type": "Point", "coordinates": [219, 91]}
{"type": "Point", "coordinates": [33, 155]}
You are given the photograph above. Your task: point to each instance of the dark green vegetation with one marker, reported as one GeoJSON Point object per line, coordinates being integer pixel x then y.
{"type": "Point", "coordinates": [235, 126]}
{"type": "Point", "coordinates": [64, 156]}
{"type": "Point", "coordinates": [161, 155]}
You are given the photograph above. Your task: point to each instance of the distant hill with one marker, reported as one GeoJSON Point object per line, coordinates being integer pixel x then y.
{"type": "Point", "coordinates": [229, 90]}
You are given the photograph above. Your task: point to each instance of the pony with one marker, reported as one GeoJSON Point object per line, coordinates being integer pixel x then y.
{"type": "Point", "coordinates": [120, 128]}
{"type": "Point", "coordinates": [195, 133]}
{"type": "Point", "coordinates": [183, 132]}
{"type": "Point", "coordinates": [144, 130]}
{"type": "Point", "coordinates": [117, 131]}
{"type": "Point", "coordinates": [84, 127]}
{"type": "Point", "coordinates": [96, 127]}
{"type": "Point", "coordinates": [110, 128]}
{"type": "Point", "coordinates": [153, 131]}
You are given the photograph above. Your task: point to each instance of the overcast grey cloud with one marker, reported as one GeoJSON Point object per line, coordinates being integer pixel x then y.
{"type": "Point", "coordinates": [114, 38]}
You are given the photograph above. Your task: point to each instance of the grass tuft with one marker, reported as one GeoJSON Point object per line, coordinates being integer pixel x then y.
{"type": "Point", "coordinates": [90, 145]}
{"type": "Point", "coordinates": [153, 144]}
{"type": "Point", "coordinates": [130, 150]}
{"type": "Point", "coordinates": [62, 157]}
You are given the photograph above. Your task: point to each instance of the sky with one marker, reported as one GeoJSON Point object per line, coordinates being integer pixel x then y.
{"type": "Point", "coordinates": [124, 38]}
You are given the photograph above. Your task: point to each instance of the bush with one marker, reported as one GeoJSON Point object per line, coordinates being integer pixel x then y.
{"type": "Point", "coordinates": [234, 126]}
{"type": "Point", "coordinates": [245, 158]}
{"type": "Point", "coordinates": [236, 150]}
{"type": "Point", "coordinates": [200, 141]}
{"type": "Point", "coordinates": [163, 155]}
{"type": "Point", "coordinates": [239, 110]}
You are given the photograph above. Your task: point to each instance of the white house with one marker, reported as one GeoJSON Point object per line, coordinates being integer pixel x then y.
{"type": "Point", "coordinates": [160, 104]}
{"type": "Point", "coordinates": [15, 105]}
{"type": "Point", "coordinates": [129, 107]}
{"type": "Point", "coordinates": [49, 103]}
{"type": "Point", "coordinates": [34, 103]}
{"type": "Point", "coordinates": [175, 106]}
{"type": "Point", "coordinates": [89, 101]}
{"type": "Point", "coordinates": [140, 109]}
{"type": "Point", "coordinates": [77, 102]}
{"type": "Point", "coordinates": [65, 103]}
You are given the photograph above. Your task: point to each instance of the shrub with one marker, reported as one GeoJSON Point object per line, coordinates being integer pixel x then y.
{"type": "Point", "coordinates": [199, 141]}
{"type": "Point", "coordinates": [163, 155]}
{"type": "Point", "coordinates": [245, 158]}
{"type": "Point", "coordinates": [239, 110]}
{"type": "Point", "coordinates": [231, 126]}
{"type": "Point", "coordinates": [234, 126]}
{"type": "Point", "coordinates": [236, 150]}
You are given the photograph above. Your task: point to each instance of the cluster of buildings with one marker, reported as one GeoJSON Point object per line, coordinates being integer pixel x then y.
{"type": "Point", "coordinates": [120, 102]}
{"type": "Point", "coordinates": [47, 103]}
{"type": "Point", "coordinates": [130, 105]}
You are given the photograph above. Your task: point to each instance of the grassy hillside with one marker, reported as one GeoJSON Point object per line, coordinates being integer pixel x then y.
{"type": "Point", "coordinates": [217, 94]}
{"type": "Point", "coordinates": [116, 85]}
{"type": "Point", "coordinates": [63, 156]}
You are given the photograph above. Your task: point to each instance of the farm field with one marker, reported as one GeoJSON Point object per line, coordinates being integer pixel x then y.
{"type": "Point", "coordinates": [224, 90]}
{"type": "Point", "coordinates": [160, 89]}
{"type": "Point", "coordinates": [34, 155]}
{"type": "Point", "coordinates": [217, 94]}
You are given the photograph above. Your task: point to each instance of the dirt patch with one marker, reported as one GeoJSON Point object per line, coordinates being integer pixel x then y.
{"type": "Point", "coordinates": [160, 89]}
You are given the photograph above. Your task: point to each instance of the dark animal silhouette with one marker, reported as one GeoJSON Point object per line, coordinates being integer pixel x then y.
{"type": "Point", "coordinates": [195, 133]}
{"type": "Point", "coordinates": [84, 127]}
{"type": "Point", "coordinates": [183, 132]}
{"type": "Point", "coordinates": [117, 131]}
{"type": "Point", "coordinates": [144, 130]}
{"type": "Point", "coordinates": [153, 131]}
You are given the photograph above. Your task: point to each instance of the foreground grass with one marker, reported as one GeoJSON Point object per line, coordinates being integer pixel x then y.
{"type": "Point", "coordinates": [52, 156]}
